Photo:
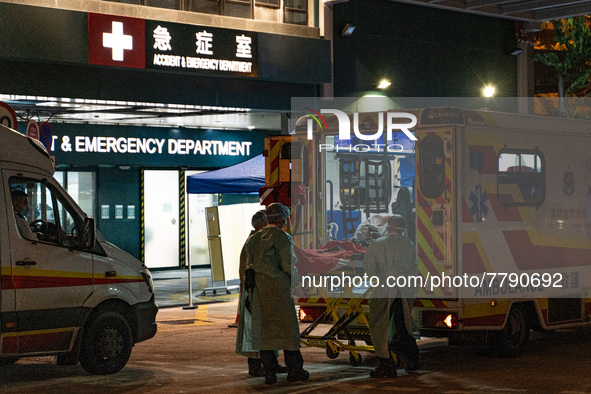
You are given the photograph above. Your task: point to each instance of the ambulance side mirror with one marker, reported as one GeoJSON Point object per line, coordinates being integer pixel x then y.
{"type": "Point", "coordinates": [88, 235]}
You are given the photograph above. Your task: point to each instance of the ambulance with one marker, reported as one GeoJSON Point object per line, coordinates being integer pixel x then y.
{"type": "Point", "coordinates": [65, 290]}
{"type": "Point", "coordinates": [498, 205]}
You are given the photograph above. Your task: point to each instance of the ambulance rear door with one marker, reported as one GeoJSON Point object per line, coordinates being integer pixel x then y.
{"type": "Point", "coordinates": [435, 207]}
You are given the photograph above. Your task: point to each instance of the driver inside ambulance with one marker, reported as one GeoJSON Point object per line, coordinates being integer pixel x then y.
{"type": "Point", "coordinates": [20, 203]}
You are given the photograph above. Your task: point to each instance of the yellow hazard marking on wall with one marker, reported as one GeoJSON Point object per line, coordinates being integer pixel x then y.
{"type": "Point", "coordinates": [182, 236]}
{"type": "Point", "coordinates": [142, 219]}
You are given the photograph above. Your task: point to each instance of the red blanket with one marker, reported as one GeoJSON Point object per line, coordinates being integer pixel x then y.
{"type": "Point", "coordinates": [324, 259]}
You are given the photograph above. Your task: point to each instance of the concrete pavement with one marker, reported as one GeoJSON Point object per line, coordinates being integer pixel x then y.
{"type": "Point", "coordinates": [171, 288]}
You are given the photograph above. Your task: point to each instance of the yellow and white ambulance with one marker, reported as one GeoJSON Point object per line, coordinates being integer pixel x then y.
{"type": "Point", "coordinates": [498, 205]}
{"type": "Point", "coordinates": [65, 290]}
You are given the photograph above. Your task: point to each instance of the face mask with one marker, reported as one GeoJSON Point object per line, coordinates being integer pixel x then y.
{"type": "Point", "coordinates": [25, 210]}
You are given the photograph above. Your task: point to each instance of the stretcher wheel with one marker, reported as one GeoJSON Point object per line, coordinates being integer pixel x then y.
{"type": "Point", "coordinates": [355, 359]}
{"type": "Point", "coordinates": [330, 353]}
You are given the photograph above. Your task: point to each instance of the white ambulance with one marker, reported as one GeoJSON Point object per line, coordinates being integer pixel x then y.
{"type": "Point", "coordinates": [65, 290]}
{"type": "Point", "coordinates": [500, 203]}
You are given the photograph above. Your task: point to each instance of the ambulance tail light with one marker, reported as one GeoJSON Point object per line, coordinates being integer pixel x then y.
{"type": "Point", "coordinates": [433, 319]}
{"type": "Point", "coordinates": [310, 314]}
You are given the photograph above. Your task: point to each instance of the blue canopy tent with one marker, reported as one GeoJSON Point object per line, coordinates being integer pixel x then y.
{"type": "Point", "coordinates": [243, 181]}
{"type": "Point", "coordinates": [245, 177]}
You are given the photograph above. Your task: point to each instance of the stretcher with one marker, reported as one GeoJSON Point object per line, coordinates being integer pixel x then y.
{"type": "Point", "coordinates": [346, 310]}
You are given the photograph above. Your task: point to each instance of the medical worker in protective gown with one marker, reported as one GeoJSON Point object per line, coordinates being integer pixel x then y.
{"type": "Point", "coordinates": [269, 253]}
{"type": "Point", "coordinates": [244, 337]}
{"type": "Point", "coordinates": [393, 255]}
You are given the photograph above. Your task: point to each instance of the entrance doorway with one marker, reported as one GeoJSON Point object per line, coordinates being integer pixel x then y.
{"type": "Point", "coordinates": [161, 218]}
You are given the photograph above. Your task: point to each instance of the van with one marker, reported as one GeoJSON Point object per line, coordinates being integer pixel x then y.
{"type": "Point", "coordinates": [65, 290]}
{"type": "Point", "coordinates": [497, 204]}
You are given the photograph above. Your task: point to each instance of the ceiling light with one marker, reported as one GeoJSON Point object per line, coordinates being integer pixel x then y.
{"type": "Point", "coordinates": [488, 91]}
{"type": "Point", "coordinates": [384, 83]}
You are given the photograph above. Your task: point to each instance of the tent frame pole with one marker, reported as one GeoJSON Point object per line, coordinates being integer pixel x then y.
{"type": "Point", "coordinates": [188, 251]}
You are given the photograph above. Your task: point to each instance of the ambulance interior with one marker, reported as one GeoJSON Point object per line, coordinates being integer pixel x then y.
{"type": "Point", "coordinates": [364, 186]}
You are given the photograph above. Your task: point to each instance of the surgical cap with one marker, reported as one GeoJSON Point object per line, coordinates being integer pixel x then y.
{"type": "Point", "coordinates": [397, 222]}
{"type": "Point", "coordinates": [259, 218]}
{"type": "Point", "coordinates": [276, 212]}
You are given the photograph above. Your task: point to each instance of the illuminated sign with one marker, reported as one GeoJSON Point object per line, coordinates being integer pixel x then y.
{"type": "Point", "coordinates": [206, 50]}
{"type": "Point", "coordinates": [153, 147]}
{"type": "Point", "coordinates": [116, 41]}
{"type": "Point", "coordinates": [132, 42]}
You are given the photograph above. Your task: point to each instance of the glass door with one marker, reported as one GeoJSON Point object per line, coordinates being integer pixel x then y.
{"type": "Point", "coordinates": [198, 249]}
{"type": "Point", "coordinates": [161, 218]}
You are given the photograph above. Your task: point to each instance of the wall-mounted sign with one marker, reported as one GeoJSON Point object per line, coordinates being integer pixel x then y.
{"type": "Point", "coordinates": [105, 211]}
{"type": "Point", "coordinates": [203, 49]}
{"type": "Point", "coordinates": [153, 147]}
{"type": "Point", "coordinates": [116, 40]}
{"type": "Point", "coordinates": [118, 211]}
{"type": "Point", "coordinates": [138, 43]}
{"type": "Point", "coordinates": [131, 211]}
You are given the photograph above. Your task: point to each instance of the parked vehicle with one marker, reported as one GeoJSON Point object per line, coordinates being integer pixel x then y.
{"type": "Point", "coordinates": [66, 292]}
{"type": "Point", "coordinates": [499, 196]}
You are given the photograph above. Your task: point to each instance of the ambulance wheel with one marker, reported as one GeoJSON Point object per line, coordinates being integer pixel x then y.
{"type": "Point", "coordinates": [512, 340]}
{"type": "Point", "coordinates": [8, 361]}
{"type": "Point", "coordinates": [355, 361]}
{"type": "Point", "coordinates": [106, 343]}
{"type": "Point", "coordinates": [330, 353]}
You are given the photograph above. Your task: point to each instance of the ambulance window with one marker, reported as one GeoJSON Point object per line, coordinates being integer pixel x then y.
{"type": "Point", "coordinates": [47, 216]}
{"type": "Point", "coordinates": [521, 178]}
{"type": "Point", "coordinates": [432, 165]}
{"type": "Point", "coordinates": [291, 150]}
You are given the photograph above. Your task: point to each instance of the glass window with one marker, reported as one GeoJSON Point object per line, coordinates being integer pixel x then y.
{"type": "Point", "coordinates": [170, 4]}
{"type": "Point", "coordinates": [521, 178]}
{"type": "Point", "coordinates": [295, 12]}
{"type": "Point", "coordinates": [138, 2]}
{"type": "Point", "coordinates": [432, 164]}
{"type": "Point", "coordinates": [239, 9]}
{"type": "Point", "coordinates": [296, 4]}
{"type": "Point", "coordinates": [203, 6]}
{"type": "Point", "coordinates": [80, 185]}
{"type": "Point", "coordinates": [50, 218]}
{"type": "Point", "coordinates": [270, 3]}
